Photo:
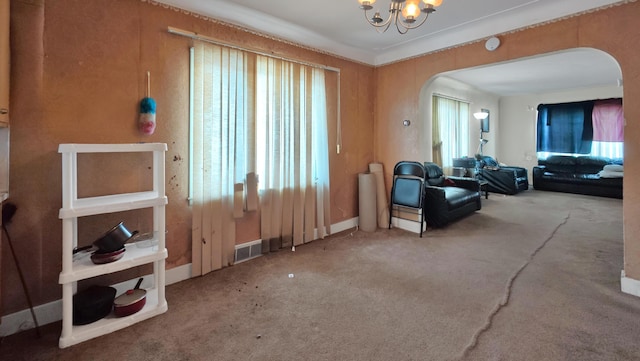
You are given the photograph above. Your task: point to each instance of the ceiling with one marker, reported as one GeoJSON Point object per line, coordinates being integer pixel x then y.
{"type": "Point", "coordinates": [561, 71]}
{"type": "Point", "coordinates": [339, 27]}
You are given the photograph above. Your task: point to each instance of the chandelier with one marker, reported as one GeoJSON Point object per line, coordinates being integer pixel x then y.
{"type": "Point", "coordinates": [409, 9]}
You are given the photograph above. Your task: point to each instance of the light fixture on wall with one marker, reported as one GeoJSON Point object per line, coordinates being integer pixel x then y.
{"type": "Point", "coordinates": [403, 13]}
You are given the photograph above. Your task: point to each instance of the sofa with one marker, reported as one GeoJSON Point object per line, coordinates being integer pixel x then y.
{"type": "Point", "coordinates": [503, 179]}
{"type": "Point", "coordinates": [448, 198]}
{"type": "Point", "coordinates": [579, 175]}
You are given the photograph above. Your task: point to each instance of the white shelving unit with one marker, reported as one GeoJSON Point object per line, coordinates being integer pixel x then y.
{"type": "Point", "coordinates": [83, 268]}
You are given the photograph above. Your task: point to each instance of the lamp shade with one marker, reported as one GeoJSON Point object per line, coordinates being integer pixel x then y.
{"type": "Point", "coordinates": [411, 9]}
{"type": "Point", "coordinates": [480, 115]}
{"type": "Point", "coordinates": [433, 2]}
{"type": "Point", "coordinates": [366, 4]}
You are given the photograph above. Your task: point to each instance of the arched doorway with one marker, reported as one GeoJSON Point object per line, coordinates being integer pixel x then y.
{"type": "Point", "coordinates": [512, 90]}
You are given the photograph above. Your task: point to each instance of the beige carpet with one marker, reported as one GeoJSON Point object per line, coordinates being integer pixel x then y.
{"type": "Point", "coordinates": [534, 276]}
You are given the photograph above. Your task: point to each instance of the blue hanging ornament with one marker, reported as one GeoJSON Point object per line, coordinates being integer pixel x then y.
{"type": "Point", "coordinates": [147, 120]}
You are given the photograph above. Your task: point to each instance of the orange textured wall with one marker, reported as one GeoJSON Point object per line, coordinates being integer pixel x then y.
{"type": "Point", "coordinates": [78, 73]}
{"type": "Point", "coordinates": [613, 30]}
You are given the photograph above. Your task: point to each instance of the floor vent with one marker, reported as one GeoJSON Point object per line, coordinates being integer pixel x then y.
{"type": "Point", "coordinates": [249, 250]}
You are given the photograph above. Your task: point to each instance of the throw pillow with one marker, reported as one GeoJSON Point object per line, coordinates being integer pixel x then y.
{"type": "Point", "coordinates": [449, 183]}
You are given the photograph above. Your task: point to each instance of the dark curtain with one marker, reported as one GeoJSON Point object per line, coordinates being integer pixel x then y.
{"type": "Point", "coordinates": [565, 128]}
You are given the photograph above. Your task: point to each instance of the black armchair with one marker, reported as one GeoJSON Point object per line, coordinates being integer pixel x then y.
{"type": "Point", "coordinates": [505, 180]}
{"type": "Point", "coordinates": [450, 198]}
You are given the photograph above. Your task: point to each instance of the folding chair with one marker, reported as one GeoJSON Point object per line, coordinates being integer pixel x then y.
{"type": "Point", "coordinates": [407, 191]}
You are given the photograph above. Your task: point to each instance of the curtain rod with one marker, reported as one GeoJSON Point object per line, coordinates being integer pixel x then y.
{"type": "Point", "coordinates": [192, 35]}
{"type": "Point", "coordinates": [208, 39]}
{"type": "Point", "coordinates": [452, 98]}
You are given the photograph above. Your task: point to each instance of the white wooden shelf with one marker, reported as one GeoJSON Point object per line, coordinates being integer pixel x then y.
{"type": "Point", "coordinates": [83, 268]}
{"type": "Point", "coordinates": [112, 148]}
{"type": "Point", "coordinates": [111, 323]}
{"type": "Point", "coordinates": [112, 203]}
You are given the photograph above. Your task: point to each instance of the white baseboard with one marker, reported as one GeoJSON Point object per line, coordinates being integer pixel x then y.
{"type": "Point", "coordinates": [178, 274]}
{"type": "Point", "coordinates": [52, 311]}
{"type": "Point", "coordinates": [629, 285]}
{"type": "Point", "coordinates": [344, 225]}
{"type": "Point", "coordinates": [22, 320]}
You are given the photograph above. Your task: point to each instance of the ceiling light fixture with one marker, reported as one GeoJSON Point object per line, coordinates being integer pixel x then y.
{"type": "Point", "coordinates": [409, 9]}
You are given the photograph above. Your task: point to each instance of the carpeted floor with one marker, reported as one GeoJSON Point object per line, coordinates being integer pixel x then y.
{"type": "Point", "coordinates": [534, 276]}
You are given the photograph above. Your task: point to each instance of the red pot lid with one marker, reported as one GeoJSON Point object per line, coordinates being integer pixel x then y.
{"type": "Point", "coordinates": [130, 297]}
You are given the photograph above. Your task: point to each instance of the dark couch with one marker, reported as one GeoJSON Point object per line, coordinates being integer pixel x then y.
{"type": "Point", "coordinates": [450, 198]}
{"type": "Point", "coordinates": [576, 175]}
{"type": "Point", "coordinates": [505, 180]}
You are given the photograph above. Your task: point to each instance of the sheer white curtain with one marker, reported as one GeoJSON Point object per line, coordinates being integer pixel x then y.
{"type": "Point", "coordinates": [252, 113]}
{"type": "Point", "coordinates": [221, 94]}
{"type": "Point", "coordinates": [451, 121]}
{"type": "Point", "coordinates": [292, 153]}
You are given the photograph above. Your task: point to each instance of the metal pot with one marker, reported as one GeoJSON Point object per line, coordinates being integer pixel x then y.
{"type": "Point", "coordinates": [92, 304]}
{"type": "Point", "coordinates": [114, 239]}
{"type": "Point", "coordinates": [130, 302]}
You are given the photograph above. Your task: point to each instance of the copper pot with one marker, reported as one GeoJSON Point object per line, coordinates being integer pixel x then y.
{"type": "Point", "coordinates": [102, 257]}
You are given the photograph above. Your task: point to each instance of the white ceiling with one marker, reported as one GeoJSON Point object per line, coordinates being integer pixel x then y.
{"type": "Point", "coordinates": [339, 27]}
{"type": "Point", "coordinates": [561, 71]}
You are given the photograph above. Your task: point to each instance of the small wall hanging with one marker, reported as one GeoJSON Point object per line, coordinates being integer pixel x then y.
{"type": "Point", "coordinates": [147, 121]}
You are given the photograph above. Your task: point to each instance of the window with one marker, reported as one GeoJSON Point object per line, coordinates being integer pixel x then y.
{"type": "Point", "coordinates": [252, 113]}
{"type": "Point", "coordinates": [256, 113]}
{"type": "Point", "coordinates": [593, 128]}
{"type": "Point", "coordinates": [289, 107]}
{"type": "Point", "coordinates": [565, 128]}
{"type": "Point", "coordinates": [450, 130]}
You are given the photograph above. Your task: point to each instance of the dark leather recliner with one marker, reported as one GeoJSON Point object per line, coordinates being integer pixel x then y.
{"type": "Point", "coordinates": [505, 180]}
{"type": "Point", "coordinates": [448, 199]}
